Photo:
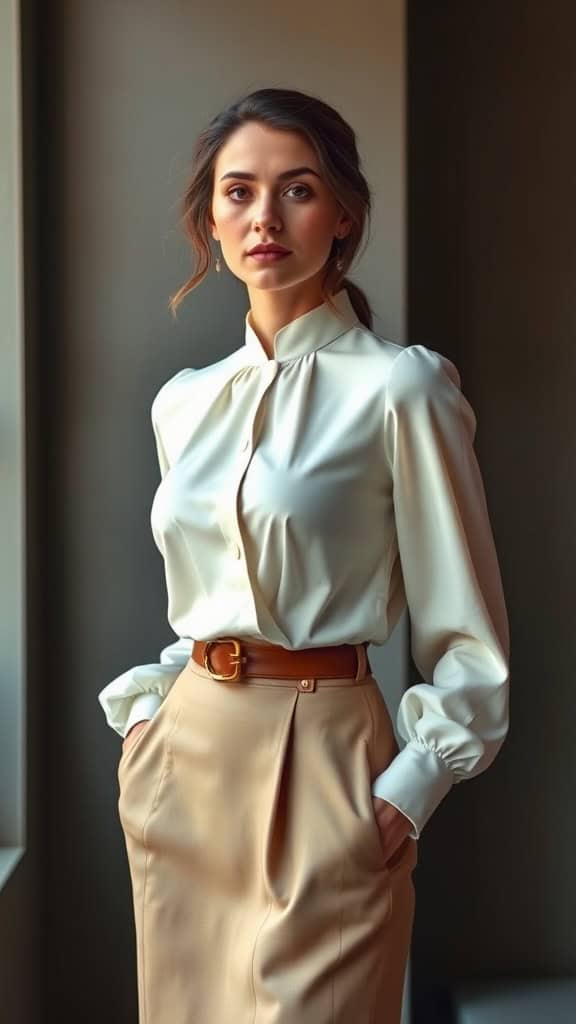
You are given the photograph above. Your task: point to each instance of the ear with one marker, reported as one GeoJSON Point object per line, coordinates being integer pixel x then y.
{"type": "Point", "coordinates": [212, 227]}
{"type": "Point", "coordinates": [343, 227]}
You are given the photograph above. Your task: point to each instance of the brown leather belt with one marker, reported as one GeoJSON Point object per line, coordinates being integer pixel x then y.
{"type": "Point", "coordinates": [230, 659]}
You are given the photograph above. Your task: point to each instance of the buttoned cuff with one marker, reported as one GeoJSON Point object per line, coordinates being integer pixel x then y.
{"type": "Point", "coordinates": [415, 782]}
{"type": "Point", "coordinates": [144, 706]}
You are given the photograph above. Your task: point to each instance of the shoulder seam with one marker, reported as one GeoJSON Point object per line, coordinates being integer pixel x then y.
{"type": "Point", "coordinates": [171, 380]}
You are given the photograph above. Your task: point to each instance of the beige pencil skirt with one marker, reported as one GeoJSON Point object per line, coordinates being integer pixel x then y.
{"type": "Point", "coordinates": [259, 884]}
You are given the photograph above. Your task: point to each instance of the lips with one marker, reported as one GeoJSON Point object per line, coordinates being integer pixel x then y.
{"type": "Point", "coordinates": [268, 249]}
{"type": "Point", "coordinates": [268, 258]}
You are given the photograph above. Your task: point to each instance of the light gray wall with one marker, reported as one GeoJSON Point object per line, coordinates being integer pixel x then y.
{"type": "Point", "coordinates": [492, 232]}
{"type": "Point", "coordinates": [125, 89]}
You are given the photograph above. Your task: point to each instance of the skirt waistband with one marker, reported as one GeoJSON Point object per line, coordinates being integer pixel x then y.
{"type": "Point", "coordinates": [233, 659]}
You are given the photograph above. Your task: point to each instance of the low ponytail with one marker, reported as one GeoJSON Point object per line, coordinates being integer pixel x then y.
{"type": "Point", "coordinates": [359, 302]}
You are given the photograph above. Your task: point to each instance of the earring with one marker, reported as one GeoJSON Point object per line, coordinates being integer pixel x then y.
{"type": "Point", "coordinates": [218, 264]}
{"type": "Point", "coordinates": [339, 261]}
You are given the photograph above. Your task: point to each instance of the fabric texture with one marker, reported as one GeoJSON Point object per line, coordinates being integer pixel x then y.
{"type": "Point", "coordinates": [309, 499]}
{"type": "Point", "coordinates": [261, 894]}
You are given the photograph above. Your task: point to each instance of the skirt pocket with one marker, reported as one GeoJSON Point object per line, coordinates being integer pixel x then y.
{"type": "Point", "coordinates": [128, 756]}
{"type": "Point", "coordinates": [382, 750]}
{"type": "Point", "coordinates": [125, 754]}
{"type": "Point", "coordinates": [143, 767]}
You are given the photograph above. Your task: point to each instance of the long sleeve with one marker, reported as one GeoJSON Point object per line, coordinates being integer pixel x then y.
{"type": "Point", "coordinates": [138, 693]}
{"type": "Point", "coordinates": [454, 722]}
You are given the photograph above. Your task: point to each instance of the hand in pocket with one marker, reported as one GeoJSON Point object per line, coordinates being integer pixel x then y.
{"type": "Point", "coordinates": [394, 826]}
{"type": "Point", "coordinates": [133, 732]}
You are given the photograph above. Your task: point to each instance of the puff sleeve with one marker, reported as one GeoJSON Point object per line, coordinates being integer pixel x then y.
{"type": "Point", "coordinates": [138, 693]}
{"type": "Point", "coordinates": [455, 721]}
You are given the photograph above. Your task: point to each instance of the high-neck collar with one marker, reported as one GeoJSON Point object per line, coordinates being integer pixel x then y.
{"type": "Point", "coordinates": [311, 331]}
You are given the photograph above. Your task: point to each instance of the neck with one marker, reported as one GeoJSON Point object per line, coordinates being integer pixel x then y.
{"type": "Point", "coordinates": [271, 310]}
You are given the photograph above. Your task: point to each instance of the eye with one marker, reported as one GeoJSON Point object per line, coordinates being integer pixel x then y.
{"type": "Point", "coordinates": [306, 191]}
{"type": "Point", "coordinates": [242, 188]}
{"type": "Point", "coordinates": [235, 189]}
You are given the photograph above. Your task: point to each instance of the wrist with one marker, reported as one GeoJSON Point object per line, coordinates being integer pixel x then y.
{"type": "Point", "coordinates": [141, 721]}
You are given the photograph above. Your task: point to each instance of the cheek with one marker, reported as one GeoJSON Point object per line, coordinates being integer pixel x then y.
{"type": "Point", "coordinates": [315, 226]}
{"type": "Point", "coordinates": [228, 217]}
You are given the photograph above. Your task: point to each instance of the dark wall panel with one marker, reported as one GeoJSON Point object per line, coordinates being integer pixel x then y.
{"type": "Point", "coordinates": [492, 266]}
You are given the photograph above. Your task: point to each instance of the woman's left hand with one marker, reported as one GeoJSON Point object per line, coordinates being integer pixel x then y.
{"type": "Point", "coordinates": [394, 826]}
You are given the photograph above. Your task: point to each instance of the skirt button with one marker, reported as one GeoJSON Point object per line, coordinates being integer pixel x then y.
{"type": "Point", "coordinates": [306, 684]}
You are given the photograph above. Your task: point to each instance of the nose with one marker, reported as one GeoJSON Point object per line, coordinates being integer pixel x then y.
{"type": "Point", "coordinates": [267, 216]}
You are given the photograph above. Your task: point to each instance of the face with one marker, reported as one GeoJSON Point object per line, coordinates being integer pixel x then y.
{"type": "Point", "coordinates": [263, 194]}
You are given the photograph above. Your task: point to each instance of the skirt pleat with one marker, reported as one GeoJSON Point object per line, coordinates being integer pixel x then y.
{"type": "Point", "coordinates": [259, 886]}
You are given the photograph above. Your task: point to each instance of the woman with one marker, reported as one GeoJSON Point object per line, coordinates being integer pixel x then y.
{"type": "Point", "coordinates": [314, 482]}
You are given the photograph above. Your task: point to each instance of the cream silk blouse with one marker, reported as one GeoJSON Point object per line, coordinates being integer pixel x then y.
{"type": "Point", "coordinates": [306, 500]}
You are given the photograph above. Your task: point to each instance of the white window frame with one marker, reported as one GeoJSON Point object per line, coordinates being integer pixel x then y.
{"type": "Point", "coordinates": [12, 453]}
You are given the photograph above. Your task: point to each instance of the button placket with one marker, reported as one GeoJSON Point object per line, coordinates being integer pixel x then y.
{"type": "Point", "coordinates": [228, 518]}
{"type": "Point", "coordinates": [235, 548]}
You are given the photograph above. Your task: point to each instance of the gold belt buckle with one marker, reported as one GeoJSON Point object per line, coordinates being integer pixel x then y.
{"type": "Point", "coordinates": [236, 659]}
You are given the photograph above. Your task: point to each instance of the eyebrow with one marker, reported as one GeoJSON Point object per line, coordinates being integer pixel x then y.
{"type": "Point", "coordinates": [247, 176]}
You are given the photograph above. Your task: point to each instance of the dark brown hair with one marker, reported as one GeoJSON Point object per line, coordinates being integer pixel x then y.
{"type": "Point", "coordinates": [335, 144]}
